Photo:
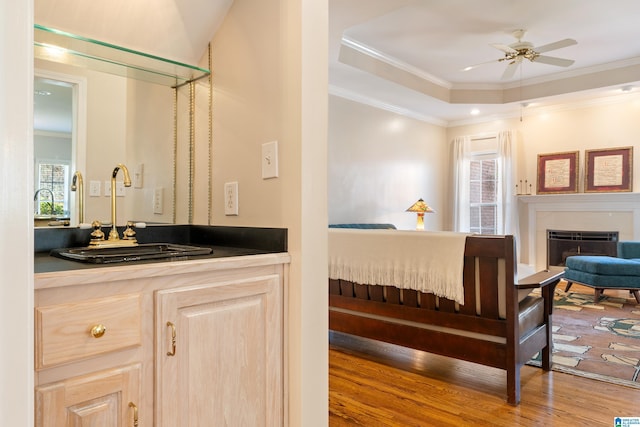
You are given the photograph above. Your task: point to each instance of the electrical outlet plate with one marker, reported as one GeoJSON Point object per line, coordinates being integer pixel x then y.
{"type": "Point", "coordinates": [270, 160]}
{"type": "Point", "coordinates": [158, 200]}
{"type": "Point", "coordinates": [231, 198]}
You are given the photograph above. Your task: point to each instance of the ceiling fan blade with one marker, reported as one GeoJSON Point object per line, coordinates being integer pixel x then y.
{"type": "Point", "coordinates": [504, 48]}
{"type": "Point", "coordinates": [471, 67]}
{"type": "Point", "coordinates": [551, 60]}
{"type": "Point", "coordinates": [510, 71]}
{"type": "Point", "coordinates": [556, 45]}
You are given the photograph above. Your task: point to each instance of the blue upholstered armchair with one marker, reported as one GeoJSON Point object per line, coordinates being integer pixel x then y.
{"type": "Point", "coordinates": [629, 250]}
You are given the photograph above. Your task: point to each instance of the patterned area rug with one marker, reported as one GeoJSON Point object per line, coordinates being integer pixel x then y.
{"type": "Point", "coordinates": [600, 341]}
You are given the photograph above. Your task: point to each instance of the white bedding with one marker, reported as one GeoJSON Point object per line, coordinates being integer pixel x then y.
{"type": "Point", "coordinates": [421, 260]}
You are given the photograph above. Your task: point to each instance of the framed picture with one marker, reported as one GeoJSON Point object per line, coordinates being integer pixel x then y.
{"type": "Point", "coordinates": [609, 170]}
{"type": "Point", "coordinates": [558, 173]}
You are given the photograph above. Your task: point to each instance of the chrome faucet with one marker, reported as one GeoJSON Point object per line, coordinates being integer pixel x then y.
{"type": "Point", "coordinates": [113, 234]}
{"type": "Point", "coordinates": [77, 185]}
{"type": "Point", "coordinates": [35, 198]}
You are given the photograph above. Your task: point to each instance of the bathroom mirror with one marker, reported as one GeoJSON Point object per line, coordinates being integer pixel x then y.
{"type": "Point", "coordinates": [54, 147]}
{"type": "Point", "coordinates": [119, 111]}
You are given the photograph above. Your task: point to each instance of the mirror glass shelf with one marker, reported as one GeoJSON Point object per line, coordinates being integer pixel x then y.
{"type": "Point", "coordinates": [59, 46]}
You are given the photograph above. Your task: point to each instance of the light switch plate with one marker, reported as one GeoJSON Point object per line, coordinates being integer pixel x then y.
{"type": "Point", "coordinates": [270, 160]}
{"type": "Point", "coordinates": [119, 189]}
{"type": "Point", "coordinates": [137, 175]}
{"type": "Point", "coordinates": [94, 188]}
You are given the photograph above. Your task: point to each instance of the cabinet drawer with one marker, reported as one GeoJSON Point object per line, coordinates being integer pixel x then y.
{"type": "Point", "coordinates": [68, 332]}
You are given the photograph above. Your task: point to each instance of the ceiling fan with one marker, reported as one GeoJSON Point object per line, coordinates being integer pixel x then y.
{"type": "Point", "coordinates": [516, 52]}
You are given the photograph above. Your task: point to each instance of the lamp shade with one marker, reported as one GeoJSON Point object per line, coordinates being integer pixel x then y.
{"type": "Point", "coordinates": [420, 207]}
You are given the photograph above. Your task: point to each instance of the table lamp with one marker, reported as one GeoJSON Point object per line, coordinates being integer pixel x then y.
{"type": "Point", "coordinates": [420, 207]}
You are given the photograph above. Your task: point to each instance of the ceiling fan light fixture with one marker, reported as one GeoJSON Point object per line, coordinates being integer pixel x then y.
{"type": "Point", "coordinates": [475, 112]}
{"type": "Point", "coordinates": [517, 52]}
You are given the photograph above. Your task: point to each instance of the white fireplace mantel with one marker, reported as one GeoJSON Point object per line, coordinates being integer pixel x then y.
{"type": "Point", "coordinates": [575, 211]}
{"type": "Point", "coordinates": [601, 201]}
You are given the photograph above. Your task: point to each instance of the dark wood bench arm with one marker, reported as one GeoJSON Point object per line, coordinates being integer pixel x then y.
{"type": "Point", "coordinates": [541, 279]}
{"type": "Point", "coordinates": [545, 279]}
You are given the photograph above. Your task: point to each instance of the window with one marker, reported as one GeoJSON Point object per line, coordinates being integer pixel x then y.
{"type": "Point", "coordinates": [52, 179]}
{"type": "Point", "coordinates": [483, 194]}
{"type": "Point", "coordinates": [483, 184]}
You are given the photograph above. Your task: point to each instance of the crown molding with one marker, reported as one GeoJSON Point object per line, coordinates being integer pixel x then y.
{"type": "Point", "coordinates": [394, 62]}
{"type": "Point", "coordinates": [531, 111]}
{"type": "Point", "coordinates": [516, 112]}
{"type": "Point", "coordinates": [366, 100]}
{"type": "Point", "coordinates": [368, 59]}
{"type": "Point", "coordinates": [611, 66]}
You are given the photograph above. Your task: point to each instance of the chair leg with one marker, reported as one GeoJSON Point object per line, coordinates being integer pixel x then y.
{"type": "Point", "coordinates": [636, 294]}
{"type": "Point", "coordinates": [566, 288]}
{"type": "Point", "coordinates": [598, 293]}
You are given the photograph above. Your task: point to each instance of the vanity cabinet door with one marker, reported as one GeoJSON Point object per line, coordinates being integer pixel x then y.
{"type": "Point", "coordinates": [107, 398]}
{"type": "Point", "coordinates": [219, 354]}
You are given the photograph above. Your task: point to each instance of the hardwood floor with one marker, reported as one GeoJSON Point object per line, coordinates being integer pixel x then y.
{"type": "Point", "coordinates": [375, 384]}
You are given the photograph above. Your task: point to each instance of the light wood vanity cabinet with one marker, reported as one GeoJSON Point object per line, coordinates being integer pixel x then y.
{"type": "Point", "coordinates": [219, 354]}
{"type": "Point", "coordinates": [163, 344]}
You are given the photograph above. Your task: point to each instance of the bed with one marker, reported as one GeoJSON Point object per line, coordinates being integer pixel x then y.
{"type": "Point", "coordinates": [496, 322]}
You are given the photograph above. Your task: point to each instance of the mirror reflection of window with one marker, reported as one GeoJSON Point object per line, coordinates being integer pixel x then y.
{"type": "Point", "coordinates": [53, 175]}
{"type": "Point", "coordinates": [53, 145]}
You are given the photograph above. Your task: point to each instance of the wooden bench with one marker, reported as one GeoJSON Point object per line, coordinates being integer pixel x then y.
{"type": "Point", "coordinates": [496, 326]}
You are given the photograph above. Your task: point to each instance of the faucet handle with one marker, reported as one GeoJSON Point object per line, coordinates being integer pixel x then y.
{"type": "Point", "coordinates": [129, 233]}
{"type": "Point", "coordinates": [96, 235]}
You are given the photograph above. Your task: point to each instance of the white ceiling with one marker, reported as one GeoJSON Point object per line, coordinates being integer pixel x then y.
{"type": "Point", "coordinates": [407, 55]}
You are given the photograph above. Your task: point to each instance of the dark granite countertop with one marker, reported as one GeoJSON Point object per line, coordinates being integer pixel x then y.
{"type": "Point", "coordinates": [225, 242]}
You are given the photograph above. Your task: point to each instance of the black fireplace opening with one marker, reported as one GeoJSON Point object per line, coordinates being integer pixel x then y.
{"type": "Point", "coordinates": [564, 243]}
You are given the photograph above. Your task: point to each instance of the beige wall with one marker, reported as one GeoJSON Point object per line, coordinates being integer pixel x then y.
{"type": "Point", "coordinates": [261, 95]}
{"type": "Point", "coordinates": [380, 163]}
{"type": "Point", "coordinates": [605, 124]}
{"type": "Point", "coordinates": [148, 141]}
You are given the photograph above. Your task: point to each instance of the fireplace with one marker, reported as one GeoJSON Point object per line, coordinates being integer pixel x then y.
{"type": "Point", "coordinates": [563, 243]}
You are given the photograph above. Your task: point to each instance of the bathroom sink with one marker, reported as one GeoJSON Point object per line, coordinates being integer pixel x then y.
{"type": "Point", "coordinates": [132, 253]}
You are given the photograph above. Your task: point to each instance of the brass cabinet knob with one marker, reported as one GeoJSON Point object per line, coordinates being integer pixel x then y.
{"type": "Point", "coordinates": [98, 330]}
